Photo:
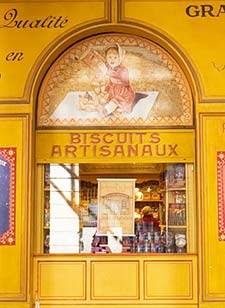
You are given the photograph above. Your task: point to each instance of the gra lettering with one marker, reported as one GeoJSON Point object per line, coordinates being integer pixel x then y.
{"type": "Point", "coordinates": [205, 10]}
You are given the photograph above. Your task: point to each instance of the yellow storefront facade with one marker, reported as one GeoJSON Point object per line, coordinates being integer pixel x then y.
{"type": "Point", "coordinates": [175, 54]}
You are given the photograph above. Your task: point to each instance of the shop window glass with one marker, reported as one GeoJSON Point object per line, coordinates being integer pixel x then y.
{"type": "Point", "coordinates": [86, 212]}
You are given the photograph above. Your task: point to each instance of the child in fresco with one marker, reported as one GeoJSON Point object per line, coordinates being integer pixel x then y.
{"type": "Point", "coordinates": [120, 93]}
{"type": "Point", "coordinates": [111, 90]}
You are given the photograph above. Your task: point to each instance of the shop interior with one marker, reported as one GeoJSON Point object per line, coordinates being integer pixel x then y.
{"type": "Point", "coordinates": [152, 216]}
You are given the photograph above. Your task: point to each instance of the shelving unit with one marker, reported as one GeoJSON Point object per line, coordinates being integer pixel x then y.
{"type": "Point", "coordinates": [179, 203]}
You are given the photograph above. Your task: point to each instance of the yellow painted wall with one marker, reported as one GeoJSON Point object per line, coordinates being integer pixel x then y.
{"type": "Point", "coordinates": [116, 281]}
{"type": "Point", "coordinates": [213, 269]}
{"type": "Point", "coordinates": [14, 259]}
{"type": "Point", "coordinates": [196, 42]}
{"type": "Point", "coordinates": [200, 38]}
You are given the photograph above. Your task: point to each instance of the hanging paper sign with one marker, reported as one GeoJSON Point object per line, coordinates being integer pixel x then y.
{"type": "Point", "coordinates": [221, 194]}
{"type": "Point", "coordinates": [116, 206]}
{"type": "Point", "coordinates": [7, 195]}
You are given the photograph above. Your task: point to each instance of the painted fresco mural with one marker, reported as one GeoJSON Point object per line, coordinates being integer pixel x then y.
{"type": "Point", "coordinates": [7, 195]}
{"type": "Point", "coordinates": [115, 80]}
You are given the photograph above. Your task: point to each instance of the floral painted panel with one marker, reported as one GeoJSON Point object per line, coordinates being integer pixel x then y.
{"type": "Point", "coordinates": [7, 195]}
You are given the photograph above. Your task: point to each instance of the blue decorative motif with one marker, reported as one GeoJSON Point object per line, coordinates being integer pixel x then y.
{"type": "Point", "coordinates": [4, 194]}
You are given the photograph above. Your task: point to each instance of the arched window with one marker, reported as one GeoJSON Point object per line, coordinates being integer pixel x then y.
{"type": "Point", "coordinates": [115, 150]}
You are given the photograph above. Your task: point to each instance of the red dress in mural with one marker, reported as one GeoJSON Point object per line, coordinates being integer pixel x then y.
{"type": "Point", "coordinates": [119, 89]}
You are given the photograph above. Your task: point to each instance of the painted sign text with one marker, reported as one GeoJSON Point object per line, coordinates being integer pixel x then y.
{"type": "Point", "coordinates": [11, 19]}
{"type": "Point", "coordinates": [205, 10]}
{"type": "Point", "coordinates": [129, 144]}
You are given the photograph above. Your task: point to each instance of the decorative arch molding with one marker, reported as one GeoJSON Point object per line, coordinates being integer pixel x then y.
{"type": "Point", "coordinates": [78, 43]}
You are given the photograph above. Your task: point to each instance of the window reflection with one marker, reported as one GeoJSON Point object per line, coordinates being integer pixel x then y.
{"type": "Point", "coordinates": [61, 220]}
{"type": "Point", "coordinates": [72, 208]}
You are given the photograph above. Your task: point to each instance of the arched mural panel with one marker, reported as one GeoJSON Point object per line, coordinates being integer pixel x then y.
{"type": "Point", "coordinates": [115, 80]}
